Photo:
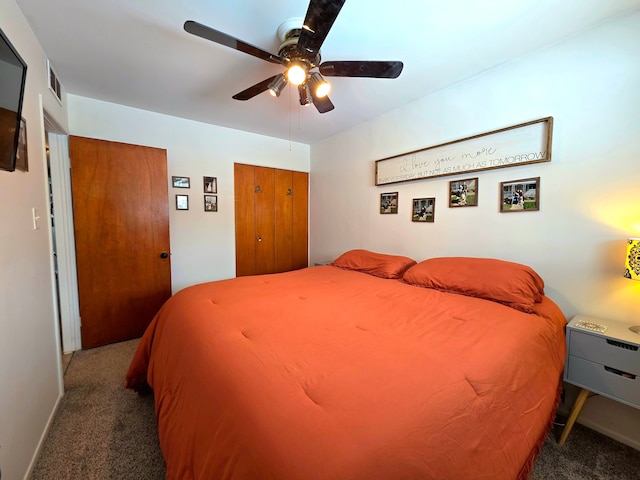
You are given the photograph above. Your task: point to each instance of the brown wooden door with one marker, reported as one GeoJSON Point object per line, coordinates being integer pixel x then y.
{"type": "Point", "coordinates": [284, 221]}
{"type": "Point", "coordinates": [300, 241]}
{"type": "Point", "coordinates": [121, 221]}
{"type": "Point", "coordinates": [265, 214]}
{"type": "Point", "coordinates": [271, 218]}
{"type": "Point", "coordinates": [244, 185]}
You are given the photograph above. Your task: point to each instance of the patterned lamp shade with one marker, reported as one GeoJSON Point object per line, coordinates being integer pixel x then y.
{"type": "Point", "coordinates": [632, 263]}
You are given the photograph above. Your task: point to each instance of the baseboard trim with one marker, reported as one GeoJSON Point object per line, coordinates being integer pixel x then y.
{"type": "Point", "coordinates": [43, 437]}
{"type": "Point", "coordinates": [603, 429]}
{"type": "Point", "coordinates": [606, 416]}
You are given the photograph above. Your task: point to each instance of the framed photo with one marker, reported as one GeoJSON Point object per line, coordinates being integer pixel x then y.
{"type": "Point", "coordinates": [389, 202]}
{"type": "Point", "coordinates": [424, 209]}
{"type": "Point", "coordinates": [520, 195]}
{"type": "Point", "coordinates": [182, 202]}
{"type": "Point", "coordinates": [210, 203]}
{"type": "Point", "coordinates": [181, 182]}
{"type": "Point", "coordinates": [210, 185]}
{"type": "Point", "coordinates": [22, 161]}
{"type": "Point", "coordinates": [463, 193]}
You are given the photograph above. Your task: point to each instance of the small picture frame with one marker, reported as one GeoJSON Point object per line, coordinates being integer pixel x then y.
{"type": "Point", "coordinates": [22, 161]}
{"type": "Point", "coordinates": [520, 195]}
{"type": "Point", "coordinates": [180, 182]}
{"type": "Point", "coordinates": [210, 184]}
{"type": "Point", "coordinates": [182, 202]}
{"type": "Point", "coordinates": [424, 210]}
{"type": "Point", "coordinates": [463, 193]}
{"type": "Point", "coordinates": [210, 203]}
{"type": "Point", "coordinates": [389, 202]}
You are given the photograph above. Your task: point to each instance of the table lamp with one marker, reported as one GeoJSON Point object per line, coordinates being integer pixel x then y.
{"type": "Point", "coordinates": [632, 267]}
{"type": "Point", "coordinates": [632, 263]}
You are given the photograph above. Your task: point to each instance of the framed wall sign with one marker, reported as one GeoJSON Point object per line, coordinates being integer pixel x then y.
{"type": "Point", "coordinates": [507, 147]}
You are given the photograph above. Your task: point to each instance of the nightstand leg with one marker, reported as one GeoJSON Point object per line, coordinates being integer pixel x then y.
{"type": "Point", "coordinates": [575, 411]}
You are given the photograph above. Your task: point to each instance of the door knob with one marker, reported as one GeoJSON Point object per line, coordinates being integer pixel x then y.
{"type": "Point", "coordinates": [259, 239]}
{"type": "Point", "coordinates": [164, 255]}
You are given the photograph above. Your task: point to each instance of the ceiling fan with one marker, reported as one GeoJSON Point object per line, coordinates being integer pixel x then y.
{"type": "Point", "coordinates": [299, 53]}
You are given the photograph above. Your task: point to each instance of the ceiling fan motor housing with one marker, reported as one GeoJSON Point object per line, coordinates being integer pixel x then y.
{"type": "Point", "coordinates": [289, 34]}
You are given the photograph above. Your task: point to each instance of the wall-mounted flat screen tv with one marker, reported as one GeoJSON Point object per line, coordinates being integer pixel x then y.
{"type": "Point", "coordinates": [13, 74]}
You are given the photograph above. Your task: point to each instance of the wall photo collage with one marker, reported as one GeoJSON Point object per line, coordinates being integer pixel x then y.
{"type": "Point", "coordinates": [210, 190]}
{"type": "Point", "coordinates": [521, 195]}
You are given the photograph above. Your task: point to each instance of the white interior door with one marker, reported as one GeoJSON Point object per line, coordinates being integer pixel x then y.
{"type": "Point", "coordinates": [64, 242]}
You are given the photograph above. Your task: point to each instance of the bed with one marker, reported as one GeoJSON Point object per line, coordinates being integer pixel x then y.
{"type": "Point", "coordinates": [372, 367]}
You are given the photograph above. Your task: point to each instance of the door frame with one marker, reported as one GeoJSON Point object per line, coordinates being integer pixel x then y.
{"type": "Point", "coordinates": [60, 166]}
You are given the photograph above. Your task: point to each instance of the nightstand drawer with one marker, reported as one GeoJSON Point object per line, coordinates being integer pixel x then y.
{"type": "Point", "coordinates": [604, 379]}
{"type": "Point", "coordinates": [606, 351]}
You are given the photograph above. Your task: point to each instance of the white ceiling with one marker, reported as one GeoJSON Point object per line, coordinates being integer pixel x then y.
{"type": "Point", "coordinates": [136, 53]}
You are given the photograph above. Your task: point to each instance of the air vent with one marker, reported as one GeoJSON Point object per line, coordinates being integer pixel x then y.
{"type": "Point", "coordinates": [54, 83]}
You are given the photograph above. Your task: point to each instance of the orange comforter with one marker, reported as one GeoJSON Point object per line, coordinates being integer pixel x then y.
{"type": "Point", "coordinates": [326, 373]}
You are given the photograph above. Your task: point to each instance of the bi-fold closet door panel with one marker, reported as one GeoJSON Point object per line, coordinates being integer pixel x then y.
{"type": "Point", "coordinates": [265, 229]}
{"type": "Point", "coordinates": [245, 218]}
{"type": "Point", "coordinates": [283, 221]}
{"type": "Point", "coordinates": [300, 222]}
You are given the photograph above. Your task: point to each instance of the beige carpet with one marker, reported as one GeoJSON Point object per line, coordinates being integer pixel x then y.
{"type": "Point", "coordinates": [586, 455]}
{"type": "Point", "coordinates": [102, 431]}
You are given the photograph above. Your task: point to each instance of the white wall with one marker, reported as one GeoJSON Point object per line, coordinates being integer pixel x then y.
{"type": "Point", "coordinates": [589, 201]}
{"type": "Point", "coordinates": [29, 348]}
{"type": "Point", "coordinates": [202, 243]}
{"type": "Point", "coordinates": [576, 241]}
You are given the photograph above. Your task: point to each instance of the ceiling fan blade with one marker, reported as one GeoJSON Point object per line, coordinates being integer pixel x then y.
{"type": "Point", "coordinates": [319, 19]}
{"type": "Point", "coordinates": [323, 105]}
{"type": "Point", "coordinates": [254, 90]}
{"type": "Point", "coordinates": [372, 69]}
{"type": "Point", "coordinates": [216, 36]}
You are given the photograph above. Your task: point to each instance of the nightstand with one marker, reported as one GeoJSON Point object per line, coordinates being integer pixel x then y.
{"type": "Point", "coordinates": [603, 356]}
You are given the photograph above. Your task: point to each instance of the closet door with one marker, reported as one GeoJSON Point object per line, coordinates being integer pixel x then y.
{"type": "Point", "coordinates": [271, 217]}
{"type": "Point", "coordinates": [244, 184]}
{"type": "Point", "coordinates": [300, 222]}
{"type": "Point", "coordinates": [265, 210]}
{"type": "Point", "coordinates": [284, 221]}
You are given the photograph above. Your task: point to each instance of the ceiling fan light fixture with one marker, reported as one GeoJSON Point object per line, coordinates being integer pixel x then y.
{"type": "Point", "coordinates": [299, 55]}
{"type": "Point", "coordinates": [296, 74]}
{"type": "Point", "coordinates": [277, 84]}
{"type": "Point", "coordinates": [319, 85]}
{"type": "Point", "coordinates": [305, 96]}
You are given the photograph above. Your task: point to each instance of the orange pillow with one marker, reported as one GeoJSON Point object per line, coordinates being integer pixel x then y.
{"type": "Point", "coordinates": [377, 264]}
{"type": "Point", "coordinates": [512, 284]}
